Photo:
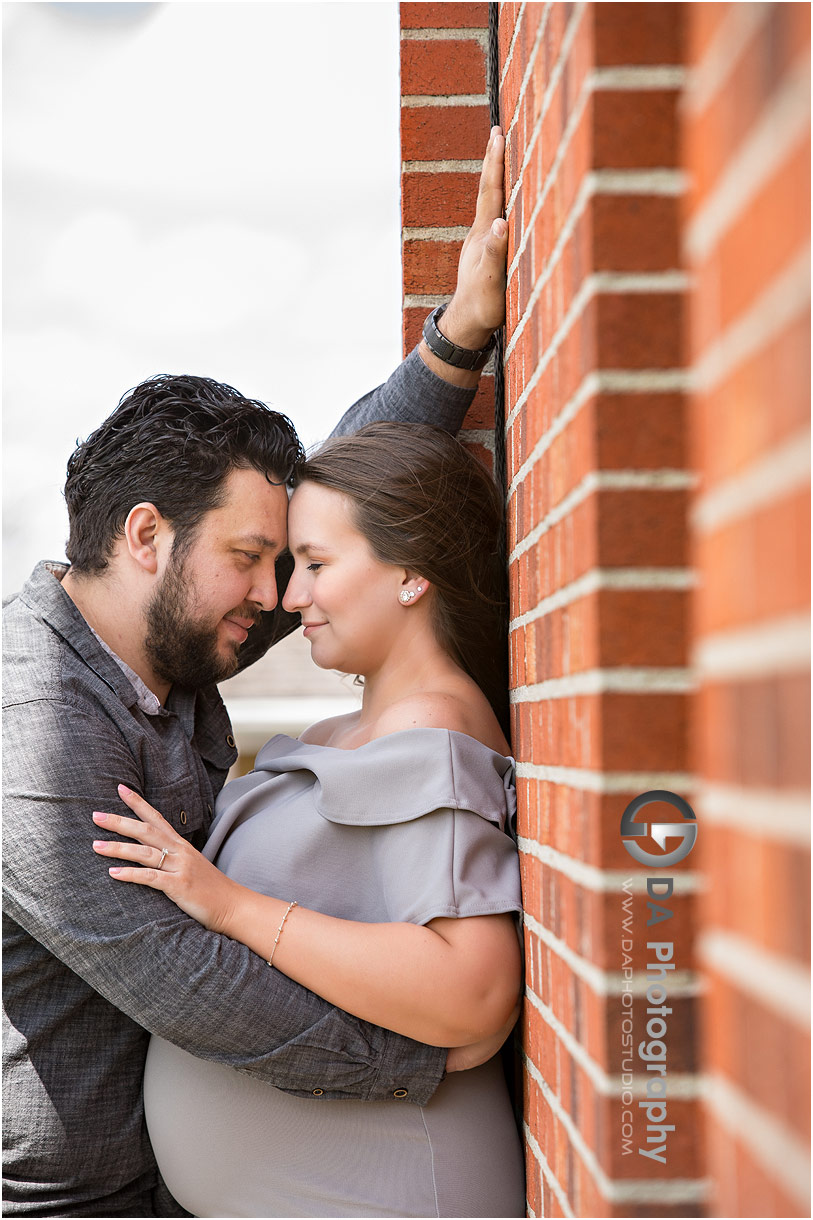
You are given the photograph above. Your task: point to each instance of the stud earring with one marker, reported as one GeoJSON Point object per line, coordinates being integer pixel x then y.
{"type": "Point", "coordinates": [406, 596]}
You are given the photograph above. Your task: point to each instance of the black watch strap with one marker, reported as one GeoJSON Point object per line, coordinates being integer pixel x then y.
{"type": "Point", "coordinates": [451, 353]}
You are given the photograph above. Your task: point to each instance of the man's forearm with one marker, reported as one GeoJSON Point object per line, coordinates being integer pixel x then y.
{"type": "Point", "coordinates": [205, 993]}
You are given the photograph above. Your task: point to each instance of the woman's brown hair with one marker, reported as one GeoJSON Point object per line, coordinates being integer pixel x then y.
{"type": "Point", "coordinates": [424, 502]}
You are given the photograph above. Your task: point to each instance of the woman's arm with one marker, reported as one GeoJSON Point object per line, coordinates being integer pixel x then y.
{"type": "Point", "coordinates": [449, 983]}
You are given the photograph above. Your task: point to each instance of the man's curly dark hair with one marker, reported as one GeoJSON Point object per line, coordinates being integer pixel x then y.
{"type": "Point", "coordinates": [172, 441]}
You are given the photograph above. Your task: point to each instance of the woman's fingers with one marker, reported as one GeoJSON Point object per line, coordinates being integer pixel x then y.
{"type": "Point", "coordinates": [130, 827]}
{"type": "Point", "coordinates": [138, 805]}
{"type": "Point", "coordinates": [149, 857]}
{"type": "Point", "coordinates": [140, 876]}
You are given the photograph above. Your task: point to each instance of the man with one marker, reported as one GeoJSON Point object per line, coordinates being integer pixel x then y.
{"type": "Point", "coordinates": [177, 507]}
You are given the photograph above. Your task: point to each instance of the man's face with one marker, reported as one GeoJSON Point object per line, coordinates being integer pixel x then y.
{"type": "Point", "coordinates": [208, 599]}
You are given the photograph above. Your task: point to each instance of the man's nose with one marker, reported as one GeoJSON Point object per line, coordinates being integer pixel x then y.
{"type": "Point", "coordinates": [295, 596]}
{"type": "Point", "coordinates": [264, 591]}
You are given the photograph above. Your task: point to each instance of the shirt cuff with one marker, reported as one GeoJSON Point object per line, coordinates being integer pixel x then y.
{"type": "Point", "coordinates": [408, 1071]}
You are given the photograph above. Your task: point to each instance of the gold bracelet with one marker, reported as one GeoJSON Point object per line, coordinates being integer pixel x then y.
{"type": "Point", "coordinates": [279, 931]}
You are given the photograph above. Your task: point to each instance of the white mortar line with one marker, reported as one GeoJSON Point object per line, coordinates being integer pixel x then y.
{"type": "Point", "coordinates": [780, 645]}
{"type": "Point", "coordinates": [582, 779]}
{"type": "Point", "coordinates": [722, 54]}
{"type": "Point", "coordinates": [598, 579]}
{"type": "Point", "coordinates": [603, 480]}
{"type": "Point", "coordinates": [775, 982]}
{"type": "Point", "coordinates": [594, 285]}
{"type": "Point", "coordinates": [547, 1172]}
{"type": "Point", "coordinates": [603, 881]}
{"type": "Point", "coordinates": [564, 54]}
{"type": "Point", "coordinates": [784, 301]}
{"type": "Point", "coordinates": [464, 34]}
{"type": "Point", "coordinates": [784, 123]}
{"type": "Point", "coordinates": [774, 814]}
{"type": "Point", "coordinates": [608, 982]}
{"type": "Point", "coordinates": [609, 381]}
{"type": "Point", "coordinates": [590, 387]}
{"type": "Point", "coordinates": [441, 167]}
{"type": "Point", "coordinates": [660, 1190]}
{"type": "Point", "coordinates": [436, 233]}
{"type": "Point", "coordinates": [414, 100]}
{"type": "Point", "coordinates": [768, 480]}
{"type": "Point", "coordinates": [643, 77]}
{"type": "Point", "coordinates": [625, 680]}
{"type": "Point", "coordinates": [682, 1085]}
{"type": "Point", "coordinates": [783, 1156]}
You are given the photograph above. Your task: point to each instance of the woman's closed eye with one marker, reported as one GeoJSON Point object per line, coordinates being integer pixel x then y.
{"type": "Point", "coordinates": [314, 567]}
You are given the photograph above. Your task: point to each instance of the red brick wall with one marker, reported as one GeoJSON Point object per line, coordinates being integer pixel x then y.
{"type": "Point", "coordinates": [444, 129]}
{"type": "Point", "coordinates": [746, 236]}
{"type": "Point", "coordinates": [597, 503]}
{"type": "Point", "coordinates": [658, 480]}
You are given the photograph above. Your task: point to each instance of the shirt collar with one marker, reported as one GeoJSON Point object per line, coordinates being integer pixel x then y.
{"type": "Point", "coordinates": [147, 700]}
{"type": "Point", "coordinates": [44, 595]}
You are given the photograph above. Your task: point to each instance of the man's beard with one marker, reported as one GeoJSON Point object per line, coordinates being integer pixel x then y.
{"type": "Point", "coordinates": [179, 649]}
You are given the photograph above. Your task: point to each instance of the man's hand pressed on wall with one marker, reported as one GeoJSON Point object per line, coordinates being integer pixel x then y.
{"type": "Point", "coordinates": [477, 308]}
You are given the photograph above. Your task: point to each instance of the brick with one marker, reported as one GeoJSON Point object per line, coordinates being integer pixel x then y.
{"type": "Point", "coordinates": [777, 1078]}
{"type": "Point", "coordinates": [638, 33]}
{"type": "Point", "coordinates": [635, 232]}
{"type": "Point", "coordinates": [437, 16]}
{"type": "Point", "coordinates": [756, 567]}
{"type": "Point", "coordinates": [640, 431]}
{"type": "Point", "coordinates": [635, 130]}
{"type": "Point", "coordinates": [755, 250]}
{"type": "Point", "coordinates": [743, 1186]}
{"type": "Point", "coordinates": [430, 266]}
{"type": "Point", "coordinates": [772, 878]}
{"type": "Point", "coordinates": [755, 733]}
{"type": "Point", "coordinates": [443, 68]}
{"type": "Point", "coordinates": [642, 528]}
{"type": "Point", "coordinates": [643, 627]}
{"type": "Point", "coordinates": [715, 135]}
{"type": "Point", "coordinates": [644, 732]}
{"type": "Point", "coordinates": [640, 330]}
{"type": "Point", "coordinates": [761, 403]}
{"type": "Point", "coordinates": [439, 133]}
{"type": "Point", "coordinates": [441, 199]}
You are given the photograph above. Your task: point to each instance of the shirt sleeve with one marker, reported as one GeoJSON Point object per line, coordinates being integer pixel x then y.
{"type": "Point", "coordinates": [413, 394]}
{"type": "Point", "coordinates": [201, 991]}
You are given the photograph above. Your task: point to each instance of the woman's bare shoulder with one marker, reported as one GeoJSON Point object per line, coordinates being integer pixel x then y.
{"type": "Point", "coordinates": [443, 710]}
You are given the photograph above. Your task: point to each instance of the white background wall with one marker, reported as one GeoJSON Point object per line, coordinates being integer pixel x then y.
{"type": "Point", "coordinates": [190, 187]}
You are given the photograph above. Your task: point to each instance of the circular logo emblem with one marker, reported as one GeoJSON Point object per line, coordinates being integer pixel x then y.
{"type": "Point", "coordinates": [686, 830]}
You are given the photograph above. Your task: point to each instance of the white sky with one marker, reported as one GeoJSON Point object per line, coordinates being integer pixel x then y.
{"type": "Point", "coordinates": [193, 187]}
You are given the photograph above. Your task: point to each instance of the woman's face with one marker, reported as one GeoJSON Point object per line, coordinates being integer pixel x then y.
{"type": "Point", "coordinates": [348, 599]}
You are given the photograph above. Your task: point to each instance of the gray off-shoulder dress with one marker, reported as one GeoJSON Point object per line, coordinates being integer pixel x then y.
{"type": "Point", "coordinates": [409, 827]}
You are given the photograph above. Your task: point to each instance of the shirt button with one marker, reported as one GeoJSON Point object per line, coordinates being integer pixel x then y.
{"type": "Point", "coordinates": [229, 739]}
{"type": "Point", "coordinates": [318, 1092]}
{"type": "Point", "coordinates": [401, 1093]}
{"type": "Point", "coordinates": [183, 817]}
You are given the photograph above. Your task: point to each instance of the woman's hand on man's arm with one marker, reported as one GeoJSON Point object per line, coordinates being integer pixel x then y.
{"type": "Point", "coordinates": [449, 983]}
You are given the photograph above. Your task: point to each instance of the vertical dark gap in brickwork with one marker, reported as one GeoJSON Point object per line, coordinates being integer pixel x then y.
{"type": "Point", "coordinates": [511, 1052]}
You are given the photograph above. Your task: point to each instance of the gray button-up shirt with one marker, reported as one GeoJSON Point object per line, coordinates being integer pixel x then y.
{"type": "Point", "coordinates": [92, 967]}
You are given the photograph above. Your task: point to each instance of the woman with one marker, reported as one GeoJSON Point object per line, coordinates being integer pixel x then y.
{"type": "Point", "coordinates": [368, 859]}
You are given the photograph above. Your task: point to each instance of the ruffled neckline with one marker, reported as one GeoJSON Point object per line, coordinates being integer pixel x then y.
{"type": "Point", "coordinates": [398, 777]}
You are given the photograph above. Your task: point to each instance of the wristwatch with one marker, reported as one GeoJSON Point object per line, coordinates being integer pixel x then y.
{"type": "Point", "coordinates": [451, 353]}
